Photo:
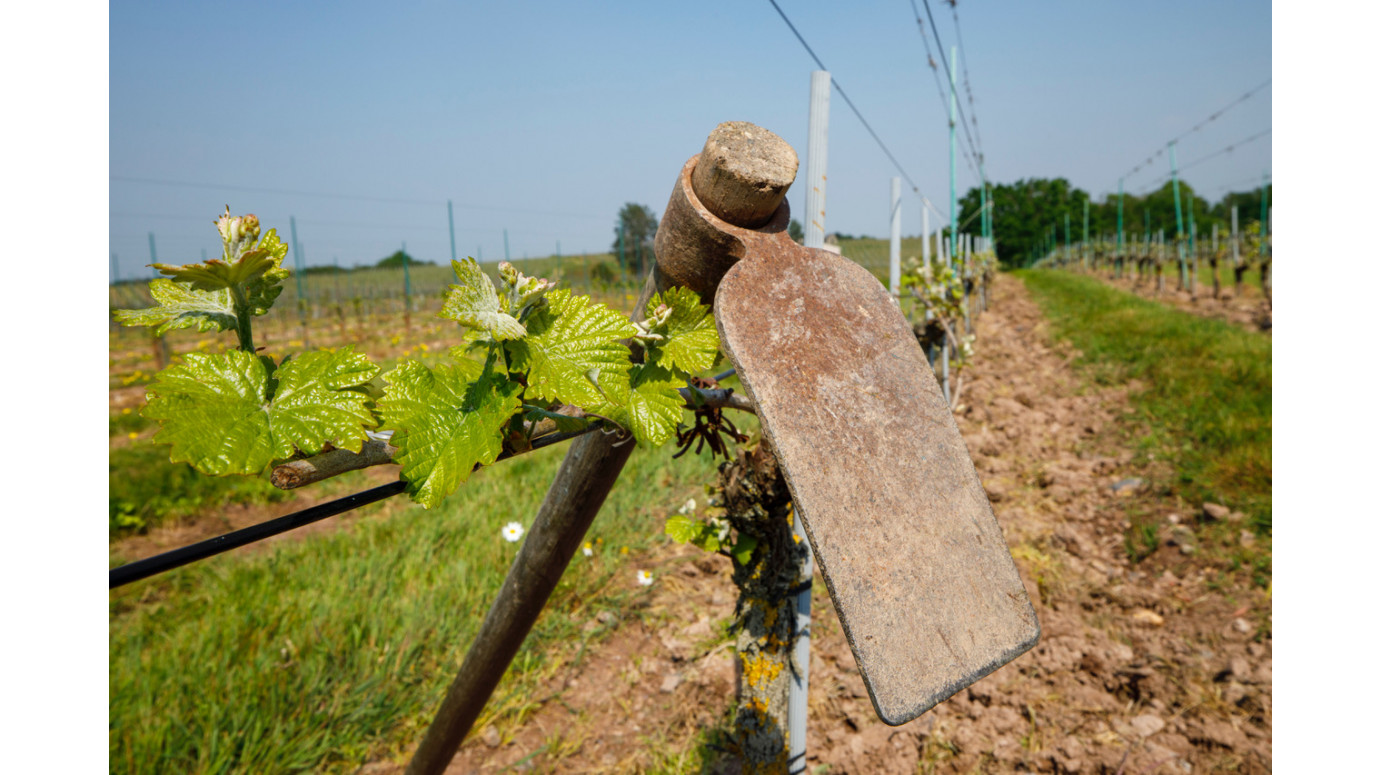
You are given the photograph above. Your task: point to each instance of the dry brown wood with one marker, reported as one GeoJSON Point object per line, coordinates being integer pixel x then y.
{"type": "Point", "coordinates": [744, 172]}
{"type": "Point", "coordinates": [378, 452]}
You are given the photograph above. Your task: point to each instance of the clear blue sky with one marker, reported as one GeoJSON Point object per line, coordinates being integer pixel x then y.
{"type": "Point", "coordinates": [544, 118]}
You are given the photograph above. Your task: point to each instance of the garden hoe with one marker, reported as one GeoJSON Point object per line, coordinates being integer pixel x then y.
{"type": "Point", "coordinates": [920, 574]}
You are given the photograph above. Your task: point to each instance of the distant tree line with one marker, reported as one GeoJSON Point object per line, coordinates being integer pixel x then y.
{"type": "Point", "coordinates": [1024, 212]}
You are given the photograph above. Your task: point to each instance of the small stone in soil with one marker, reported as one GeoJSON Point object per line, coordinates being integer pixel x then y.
{"type": "Point", "coordinates": [1127, 486]}
{"type": "Point", "coordinates": [607, 617]}
{"type": "Point", "coordinates": [490, 737]}
{"type": "Point", "coordinates": [1214, 512]}
{"type": "Point", "coordinates": [1183, 538]}
{"type": "Point", "coordinates": [670, 682]}
{"type": "Point", "coordinates": [1146, 616]}
{"type": "Point", "coordinates": [1147, 724]}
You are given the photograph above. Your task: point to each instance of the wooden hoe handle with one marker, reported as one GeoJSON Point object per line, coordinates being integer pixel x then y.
{"type": "Point", "coordinates": [745, 180]}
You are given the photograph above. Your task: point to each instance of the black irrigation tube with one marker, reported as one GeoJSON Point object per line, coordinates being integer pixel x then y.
{"type": "Point", "coordinates": [159, 563]}
{"type": "Point", "coordinates": [142, 569]}
{"type": "Point", "coordinates": [149, 566]}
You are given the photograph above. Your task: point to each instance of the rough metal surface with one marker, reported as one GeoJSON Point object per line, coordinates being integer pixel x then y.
{"type": "Point", "coordinates": [903, 532]}
{"type": "Point", "coordinates": [924, 585]}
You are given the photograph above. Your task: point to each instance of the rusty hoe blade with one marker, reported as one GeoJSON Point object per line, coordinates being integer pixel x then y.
{"type": "Point", "coordinates": [920, 574]}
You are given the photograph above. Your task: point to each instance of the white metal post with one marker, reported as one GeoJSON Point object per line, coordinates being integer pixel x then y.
{"type": "Point", "coordinates": [816, 162]}
{"type": "Point", "coordinates": [896, 237]}
{"type": "Point", "coordinates": [1235, 252]}
{"type": "Point", "coordinates": [816, 158]}
{"type": "Point", "coordinates": [924, 234]}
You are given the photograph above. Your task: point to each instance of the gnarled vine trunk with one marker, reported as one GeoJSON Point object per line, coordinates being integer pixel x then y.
{"type": "Point", "coordinates": [758, 504]}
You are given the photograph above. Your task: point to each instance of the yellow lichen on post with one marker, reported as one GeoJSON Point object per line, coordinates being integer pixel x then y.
{"type": "Point", "coordinates": [757, 505]}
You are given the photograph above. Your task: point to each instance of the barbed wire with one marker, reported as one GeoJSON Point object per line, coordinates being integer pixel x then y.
{"type": "Point", "coordinates": [963, 118]}
{"type": "Point", "coordinates": [1196, 162]}
{"type": "Point", "coordinates": [967, 83]}
{"type": "Point", "coordinates": [1213, 117]}
{"type": "Point", "coordinates": [913, 187]}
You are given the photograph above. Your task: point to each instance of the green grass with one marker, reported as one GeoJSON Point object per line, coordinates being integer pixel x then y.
{"type": "Point", "coordinates": [1205, 397]}
{"type": "Point", "coordinates": [147, 490]}
{"type": "Point", "coordinates": [320, 654]}
{"type": "Point", "coordinates": [875, 254]}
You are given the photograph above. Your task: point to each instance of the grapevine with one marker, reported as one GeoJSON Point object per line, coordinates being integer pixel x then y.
{"type": "Point", "coordinates": [531, 359]}
{"type": "Point", "coordinates": [939, 291]}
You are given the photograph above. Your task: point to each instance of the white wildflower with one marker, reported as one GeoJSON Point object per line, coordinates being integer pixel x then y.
{"type": "Point", "coordinates": [644, 578]}
{"type": "Point", "coordinates": [512, 532]}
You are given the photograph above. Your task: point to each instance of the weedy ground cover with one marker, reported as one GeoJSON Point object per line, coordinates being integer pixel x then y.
{"type": "Point", "coordinates": [321, 653]}
{"type": "Point", "coordinates": [1205, 397]}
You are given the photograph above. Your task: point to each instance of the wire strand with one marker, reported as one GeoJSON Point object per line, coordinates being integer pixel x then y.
{"type": "Point", "coordinates": [1213, 117]}
{"type": "Point", "coordinates": [356, 197]}
{"type": "Point", "coordinates": [1214, 154]}
{"type": "Point", "coordinates": [963, 119]}
{"type": "Point", "coordinates": [844, 95]}
{"type": "Point", "coordinates": [967, 83]}
{"type": "Point", "coordinates": [939, 86]}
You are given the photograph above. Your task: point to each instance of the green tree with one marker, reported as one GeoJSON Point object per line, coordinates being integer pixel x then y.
{"type": "Point", "coordinates": [1247, 206]}
{"type": "Point", "coordinates": [637, 225]}
{"type": "Point", "coordinates": [796, 231]}
{"type": "Point", "coordinates": [395, 261]}
{"type": "Point", "coordinates": [1023, 214]}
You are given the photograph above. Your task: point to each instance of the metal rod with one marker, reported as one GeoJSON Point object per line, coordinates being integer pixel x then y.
{"type": "Point", "coordinates": [816, 170]}
{"type": "Point", "coordinates": [953, 152]}
{"type": "Point", "coordinates": [1178, 218]}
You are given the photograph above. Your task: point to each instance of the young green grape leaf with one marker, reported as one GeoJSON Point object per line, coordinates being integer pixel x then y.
{"type": "Point", "coordinates": [708, 539]}
{"type": "Point", "coordinates": [445, 422]}
{"type": "Point", "coordinates": [689, 342]}
{"type": "Point", "coordinates": [682, 529]}
{"type": "Point", "coordinates": [567, 339]}
{"type": "Point", "coordinates": [475, 303]}
{"type": "Point", "coordinates": [742, 550]}
{"type": "Point", "coordinates": [181, 306]}
{"type": "Point", "coordinates": [645, 399]}
{"type": "Point", "coordinates": [261, 292]}
{"type": "Point", "coordinates": [216, 273]}
{"type": "Point", "coordinates": [234, 413]}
